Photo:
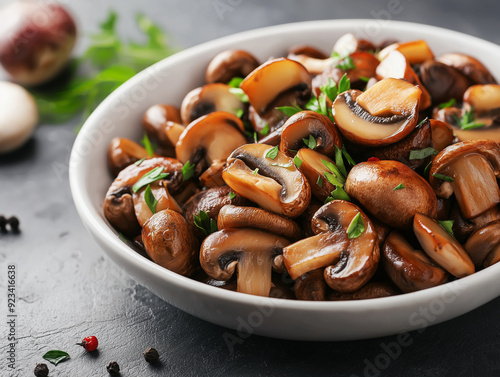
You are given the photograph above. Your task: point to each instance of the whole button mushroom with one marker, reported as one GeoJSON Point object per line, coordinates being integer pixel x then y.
{"type": "Point", "coordinates": [469, 170]}
{"type": "Point", "coordinates": [253, 253]}
{"type": "Point", "coordinates": [351, 258]}
{"type": "Point", "coordinates": [273, 183]}
{"type": "Point", "coordinates": [169, 242]}
{"type": "Point", "coordinates": [229, 64]}
{"type": "Point", "coordinates": [442, 247]}
{"type": "Point", "coordinates": [383, 115]}
{"type": "Point", "coordinates": [411, 270]}
{"type": "Point", "coordinates": [391, 192]}
{"type": "Point", "coordinates": [36, 40]}
{"type": "Point", "coordinates": [18, 116]}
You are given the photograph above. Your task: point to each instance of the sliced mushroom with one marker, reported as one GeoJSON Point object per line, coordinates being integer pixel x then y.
{"type": "Point", "coordinates": [350, 262]}
{"type": "Point", "coordinates": [231, 216]}
{"type": "Point", "coordinates": [304, 124]}
{"type": "Point", "coordinates": [410, 269]}
{"type": "Point", "coordinates": [253, 253]}
{"type": "Point", "coordinates": [473, 168]}
{"type": "Point", "coordinates": [118, 205]}
{"type": "Point", "coordinates": [416, 52]}
{"type": "Point", "coordinates": [169, 242]}
{"type": "Point", "coordinates": [209, 140]}
{"type": "Point", "coordinates": [311, 286]}
{"type": "Point", "coordinates": [314, 170]}
{"type": "Point", "coordinates": [482, 242]}
{"type": "Point", "coordinates": [384, 114]}
{"type": "Point", "coordinates": [469, 66]}
{"type": "Point", "coordinates": [441, 247]}
{"type": "Point", "coordinates": [228, 64]}
{"type": "Point", "coordinates": [273, 78]}
{"type": "Point", "coordinates": [369, 291]}
{"type": "Point", "coordinates": [275, 184]}
{"type": "Point", "coordinates": [207, 99]}
{"type": "Point", "coordinates": [391, 192]}
{"type": "Point", "coordinates": [123, 152]}
{"type": "Point", "coordinates": [163, 125]}
{"type": "Point", "coordinates": [348, 43]}
{"type": "Point", "coordinates": [442, 134]}
{"type": "Point", "coordinates": [397, 66]}
{"type": "Point", "coordinates": [210, 201]}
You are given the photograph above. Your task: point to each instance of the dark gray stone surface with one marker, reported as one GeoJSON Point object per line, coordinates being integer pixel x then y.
{"type": "Point", "coordinates": [67, 288]}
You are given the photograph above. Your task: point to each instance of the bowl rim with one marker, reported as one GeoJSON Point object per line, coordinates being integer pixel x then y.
{"type": "Point", "coordinates": [94, 221]}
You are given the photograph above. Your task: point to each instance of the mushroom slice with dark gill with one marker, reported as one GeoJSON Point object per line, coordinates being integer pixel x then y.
{"type": "Point", "coordinates": [350, 259]}
{"type": "Point", "coordinates": [391, 192]}
{"type": "Point", "coordinates": [123, 152]}
{"type": "Point", "coordinates": [273, 79]}
{"type": "Point", "coordinates": [273, 183]}
{"type": "Point", "coordinates": [118, 205]}
{"type": "Point", "coordinates": [231, 216]}
{"type": "Point", "coordinates": [209, 140]}
{"type": "Point", "coordinates": [410, 269]}
{"type": "Point", "coordinates": [442, 247]}
{"type": "Point", "coordinates": [483, 242]}
{"type": "Point", "coordinates": [252, 253]}
{"type": "Point", "coordinates": [229, 64]}
{"type": "Point", "coordinates": [305, 124]}
{"type": "Point", "coordinates": [207, 99]}
{"type": "Point", "coordinates": [469, 66]}
{"type": "Point", "coordinates": [169, 242]}
{"type": "Point", "coordinates": [469, 170]}
{"type": "Point", "coordinates": [384, 114]}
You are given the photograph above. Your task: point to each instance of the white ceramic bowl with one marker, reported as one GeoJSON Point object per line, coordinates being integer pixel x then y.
{"type": "Point", "coordinates": [167, 82]}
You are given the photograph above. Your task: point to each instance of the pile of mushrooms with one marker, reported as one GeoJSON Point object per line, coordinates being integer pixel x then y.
{"type": "Point", "coordinates": [368, 173]}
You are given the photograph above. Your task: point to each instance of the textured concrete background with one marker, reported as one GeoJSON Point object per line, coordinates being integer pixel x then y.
{"type": "Point", "coordinates": [67, 289]}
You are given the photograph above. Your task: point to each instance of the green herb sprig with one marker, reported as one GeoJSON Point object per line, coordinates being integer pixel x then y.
{"type": "Point", "coordinates": [205, 223]}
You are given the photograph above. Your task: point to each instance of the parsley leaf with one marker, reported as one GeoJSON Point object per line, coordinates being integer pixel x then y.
{"type": "Point", "coordinates": [239, 113]}
{"type": "Point", "coordinates": [422, 153]}
{"type": "Point", "coordinates": [235, 82]}
{"type": "Point", "coordinates": [339, 161]}
{"type": "Point", "coordinates": [187, 171]}
{"type": "Point", "coordinates": [272, 153]}
{"type": "Point", "coordinates": [333, 179]}
{"type": "Point", "coordinates": [399, 187]}
{"type": "Point", "coordinates": [297, 161]}
{"type": "Point", "coordinates": [319, 182]}
{"type": "Point", "coordinates": [255, 171]}
{"type": "Point", "coordinates": [443, 177]}
{"type": "Point", "coordinates": [289, 110]}
{"type": "Point", "coordinates": [150, 177]}
{"type": "Point", "coordinates": [346, 64]}
{"type": "Point", "coordinates": [238, 92]}
{"type": "Point", "coordinates": [348, 156]}
{"type": "Point", "coordinates": [427, 168]}
{"type": "Point", "coordinates": [310, 142]}
{"type": "Point", "coordinates": [356, 227]}
{"type": "Point", "coordinates": [265, 130]}
{"type": "Point", "coordinates": [147, 145]}
{"type": "Point", "coordinates": [450, 103]}
{"type": "Point", "coordinates": [150, 199]}
{"type": "Point", "coordinates": [335, 170]}
{"type": "Point", "coordinates": [448, 226]}
{"type": "Point", "coordinates": [139, 162]}
{"type": "Point", "coordinates": [466, 122]}
{"type": "Point", "coordinates": [205, 223]}
{"type": "Point", "coordinates": [232, 195]}
{"type": "Point", "coordinates": [338, 193]}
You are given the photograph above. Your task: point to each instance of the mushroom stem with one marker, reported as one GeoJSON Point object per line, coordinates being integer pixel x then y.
{"type": "Point", "coordinates": [254, 273]}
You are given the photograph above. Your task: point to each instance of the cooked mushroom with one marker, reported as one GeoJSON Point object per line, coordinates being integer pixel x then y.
{"type": "Point", "coordinates": [416, 52]}
{"type": "Point", "coordinates": [253, 253]}
{"type": "Point", "coordinates": [482, 242]}
{"type": "Point", "coordinates": [273, 183]}
{"type": "Point", "coordinates": [119, 205]}
{"type": "Point", "coordinates": [210, 201]}
{"type": "Point", "coordinates": [441, 247]}
{"type": "Point", "coordinates": [163, 125]}
{"type": "Point", "coordinates": [207, 99]}
{"type": "Point", "coordinates": [463, 228]}
{"type": "Point", "coordinates": [484, 99]}
{"type": "Point", "coordinates": [311, 286]}
{"type": "Point", "coordinates": [123, 152]}
{"type": "Point", "coordinates": [410, 269]}
{"type": "Point", "coordinates": [305, 124]}
{"type": "Point", "coordinates": [231, 216]}
{"type": "Point", "coordinates": [348, 43]}
{"type": "Point", "coordinates": [469, 66]}
{"type": "Point", "coordinates": [306, 50]}
{"type": "Point", "coordinates": [397, 66]}
{"type": "Point", "coordinates": [370, 290]}
{"type": "Point", "coordinates": [314, 169]}
{"type": "Point", "coordinates": [468, 169]}
{"type": "Point", "coordinates": [169, 242]}
{"type": "Point", "coordinates": [229, 64]}
{"type": "Point", "coordinates": [443, 81]}
{"type": "Point", "coordinates": [442, 134]}
{"type": "Point", "coordinates": [350, 260]}
{"type": "Point", "coordinates": [384, 114]}
{"type": "Point", "coordinates": [209, 140]}
{"type": "Point", "coordinates": [274, 78]}
{"type": "Point", "coordinates": [391, 192]}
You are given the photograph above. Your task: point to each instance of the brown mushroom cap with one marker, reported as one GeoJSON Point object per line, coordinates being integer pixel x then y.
{"type": "Point", "coordinates": [311, 286]}
{"type": "Point", "coordinates": [441, 247]}
{"type": "Point", "coordinates": [351, 262]}
{"type": "Point", "coordinates": [163, 125]}
{"type": "Point", "coordinates": [482, 242]}
{"type": "Point", "coordinates": [304, 123]}
{"type": "Point", "coordinates": [463, 228]}
{"type": "Point", "coordinates": [442, 134]}
{"type": "Point", "coordinates": [207, 99]}
{"type": "Point", "coordinates": [474, 167]}
{"type": "Point", "coordinates": [306, 50]}
{"type": "Point", "coordinates": [169, 242]}
{"type": "Point", "coordinates": [254, 253]}
{"type": "Point", "coordinates": [484, 99]}
{"type": "Point", "coordinates": [118, 205]}
{"type": "Point", "coordinates": [275, 184]}
{"type": "Point", "coordinates": [469, 66]}
{"type": "Point", "coordinates": [373, 184]}
{"type": "Point", "coordinates": [273, 78]}
{"type": "Point", "coordinates": [231, 216]}
{"type": "Point", "coordinates": [387, 113]}
{"type": "Point", "coordinates": [411, 270]}
{"type": "Point", "coordinates": [370, 290]}
{"type": "Point", "coordinates": [123, 152]}
{"type": "Point", "coordinates": [229, 64]}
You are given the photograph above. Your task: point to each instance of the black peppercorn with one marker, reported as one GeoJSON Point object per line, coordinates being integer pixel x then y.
{"type": "Point", "coordinates": [113, 367]}
{"type": "Point", "coordinates": [14, 223]}
{"type": "Point", "coordinates": [3, 224]}
{"type": "Point", "coordinates": [41, 370]}
{"type": "Point", "coordinates": [151, 355]}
